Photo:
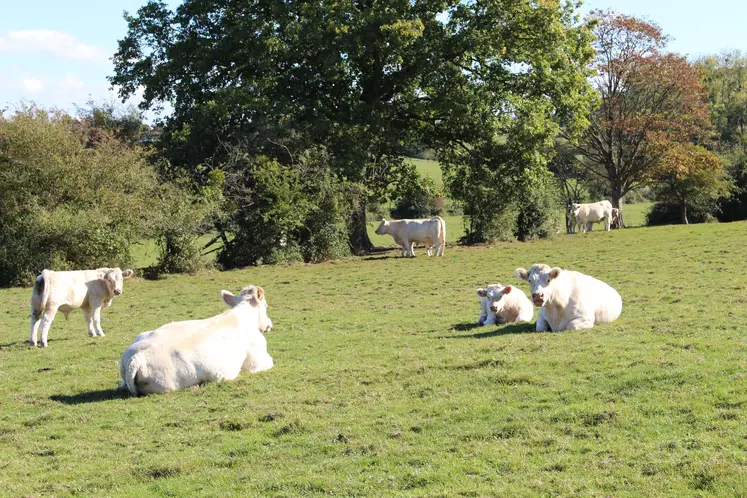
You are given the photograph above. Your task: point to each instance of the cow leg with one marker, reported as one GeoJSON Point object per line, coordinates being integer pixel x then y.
{"type": "Point", "coordinates": [35, 322]}
{"type": "Point", "coordinates": [46, 322]}
{"type": "Point", "coordinates": [580, 323]}
{"type": "Point", "coordinates": [88, 317]}
{"type": "Point", "coordinates": [607, 224]}
{"type": "Point", "coordinates": [408, 245]}
{"type": "Point", "coordinates": [542, 325]}
{"type": "Point", "coordinates": [97, 321]}
{"type": "Point", "coordinates": [491, 319]}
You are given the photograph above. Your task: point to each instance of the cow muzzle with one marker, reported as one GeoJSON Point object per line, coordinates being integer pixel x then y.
{"type": "Point", "coordinates": [117, 292]}
{"type": "Point", "coordinates": [538, 299]}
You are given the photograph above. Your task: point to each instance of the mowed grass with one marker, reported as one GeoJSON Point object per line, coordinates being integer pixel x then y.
{"type": "Point", "coordinates": [384, 386]}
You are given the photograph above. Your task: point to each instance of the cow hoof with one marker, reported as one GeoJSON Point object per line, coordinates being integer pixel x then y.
{"type": "Point", "coordinates": [91, 334]}
{"type": "Point", "coordinates": [32, 344]}
{"type": "Point", "coordinates": [101, 334]}
{"type": "Point", "coordinates": [44, 344]}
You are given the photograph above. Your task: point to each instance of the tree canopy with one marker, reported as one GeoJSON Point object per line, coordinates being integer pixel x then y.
{"type": "Point", "coordinates": [364, 80]}
{"type": "Point", "coordinates": [650, 101]}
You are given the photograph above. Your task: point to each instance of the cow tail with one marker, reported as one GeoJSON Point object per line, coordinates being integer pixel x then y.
{"type": "Point", "coordinates": [131, 373]}
{"type": "Point", "coordinates": [42, 289]}
{"type": "Point", "coordinates": [442, 233]}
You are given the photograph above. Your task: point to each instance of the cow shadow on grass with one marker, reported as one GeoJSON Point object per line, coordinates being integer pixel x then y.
{"type": "Point", "coordinates": [514, 328]}
{"type": "Point", "coordinates": [91, 396]}
{"type": "Point", "coordinates": [24, 344]}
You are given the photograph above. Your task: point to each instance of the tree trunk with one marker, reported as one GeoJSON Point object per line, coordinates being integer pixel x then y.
{"type": "Point", "coordinates": [617, 203]}
{"type": "Point", "coordinates": [360, 242]}
{"type": "Point", "coordinates": [683, 212]}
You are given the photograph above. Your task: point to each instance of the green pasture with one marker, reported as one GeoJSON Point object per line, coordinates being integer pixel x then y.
{"type": "Point", "coordinates": [384, 386]}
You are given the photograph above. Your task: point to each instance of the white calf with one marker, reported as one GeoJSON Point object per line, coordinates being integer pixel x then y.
{"type": "Point", "coordinates": [431, 232]}
{"type": "Point", "coordinates": [89, 290]}
{"type": "Point", "coordinates": [503, 305]}
{"type": "Point", "coordinates": [570, 300]}
{"type": "Point", "coordinates": [587, 214]}
{"type": "Point", "coordinates": [182, 354]}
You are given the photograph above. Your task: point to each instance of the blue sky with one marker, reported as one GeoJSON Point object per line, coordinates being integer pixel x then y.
{"type": "Point", "coordinates": [56, 53]}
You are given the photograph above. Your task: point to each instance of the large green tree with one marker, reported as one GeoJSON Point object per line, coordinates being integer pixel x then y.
{"type": "Point", "coordinates": [363, 79]}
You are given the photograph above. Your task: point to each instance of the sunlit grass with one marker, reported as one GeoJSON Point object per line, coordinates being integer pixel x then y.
{"type": "Point", "coordinates": [383, 385]}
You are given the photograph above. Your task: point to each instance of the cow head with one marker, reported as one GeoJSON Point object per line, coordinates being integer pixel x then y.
{"type": "Point", "coordinates": [114, 279]}
{"type": "Point", "coordinates": [575, 208]}
{"type": "Point", "coordinates": [541, 279]}
{"type": "Point", "coordinates": [255, 297]}
{"type": "Point", "coordinates": [382, 228]}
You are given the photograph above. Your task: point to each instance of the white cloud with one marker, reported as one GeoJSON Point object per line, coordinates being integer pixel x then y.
{"type": "Point", "coordinates": [32, 85]}
{"type": "Point", "coordinates": [50, 42]}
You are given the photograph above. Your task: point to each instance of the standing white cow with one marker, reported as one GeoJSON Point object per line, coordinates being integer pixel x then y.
{"type": "Point", "coordinates": [570, 300]}
{"type": "Point", "coordinates": [90, 290]}
{"type": "Point", "coordinates": [183, 354]}
{"type": "Point", "coordinates": [431, 232]}
{"type": "Point", "coordinates": [587, 214]}
{"type": "Point", "coordinates": [501, 304]}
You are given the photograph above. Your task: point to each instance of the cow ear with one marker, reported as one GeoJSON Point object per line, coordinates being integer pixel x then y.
{"type": "Point", "coordinates": [521, 274]}
{"type": "Point", "coordinates": [127, 273]}
{"type": "Point", "coordinates": [506, 289]}
{"type": "Point", "coordinates": [481, 292]}
{"type": "Point", "coordinates": [102, 274]}
{"type": "Point", "coordinates": [554, 273]}
{"type": "Point", "coordinates": [260, 293]}
{"type": "Point", "coordinates": [229, 298]}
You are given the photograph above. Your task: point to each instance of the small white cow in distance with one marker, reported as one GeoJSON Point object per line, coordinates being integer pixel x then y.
{"type": "Point", "coordinates": [431, 232]}
{"type": "Point", "coordinates": [569, 300]}
{"type": "Point", "coordinates": [89, 290]}
{"type": "Point", "coordinates": [501, 304]}
{"type": "Point", "coordinates": [587, 214]}
{"type": "Point", "coordinates": [183, 354]}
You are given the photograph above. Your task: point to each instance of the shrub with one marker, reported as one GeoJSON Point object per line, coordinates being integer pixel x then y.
{"type": "Point", "coordinates": [417, 198]}
{"type": "Point", "coordinates": [65, 205]}
{"type": "Point", "coordinates": [281, 212]}
{"type": "Point", "coordinates": [663, 213]}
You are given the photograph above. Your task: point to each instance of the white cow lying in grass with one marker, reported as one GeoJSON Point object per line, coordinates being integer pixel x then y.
{"type": "Point", "coordinates": [89, 290]}
{"type": "Point", "coordinates": [501, 304]}
{"type": "Point", "coordinates": [570, 300]}
{"type": "Point", "coordinates": [431, 232]}
{"type": "Point", "coordinates": [596, 212]}
{"type": "Point", "coordinates": [184, 354]}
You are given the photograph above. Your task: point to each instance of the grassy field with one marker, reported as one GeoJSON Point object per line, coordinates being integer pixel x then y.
{"type": "Point", "coordinates": [384, 386]}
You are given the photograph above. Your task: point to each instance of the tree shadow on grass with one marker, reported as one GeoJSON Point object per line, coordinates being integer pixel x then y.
{"type": "Point", "coordinates": [91, 396]}
{"type": "Point", "coordinates": [514, 328]}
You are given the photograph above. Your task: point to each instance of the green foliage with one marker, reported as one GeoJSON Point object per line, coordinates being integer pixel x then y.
{"type": "Point", "coordinates": [66, 203]}
{"type": "Point", "coordinates": [278, 212]}
{"type": "Point", "coordinates": [539, 211]}
{"type": "Point", "coordinates": [726, 81]}
{"type": "Point", "coordinates": [383, 385]}
{"type": "Point", "coordinates": [416, 197]}
{"type": "Point", "coordinates": [734, 207]}
{"type": "Point", "coordinates": [364, 81]}
{"type": "Point", "coordinates": [186, 216]}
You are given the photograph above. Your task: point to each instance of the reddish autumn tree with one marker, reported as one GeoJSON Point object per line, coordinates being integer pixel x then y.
{"type": "Point", "coordinates": [649, 100]}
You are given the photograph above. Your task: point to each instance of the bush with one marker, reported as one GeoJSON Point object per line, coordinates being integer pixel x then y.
{"type": "Point", "coordinates": [64, 205]}
{"type": "Point", "coordinates": [539, 212]}
{"type": "Point", "coordinates": [663, 213]}
{"type": "Point", "coordinates": [734, 208]}
{"type": "Point", "coordinates": [282, 212]}
{"type": "Point", "coordinates": [418, 198]}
